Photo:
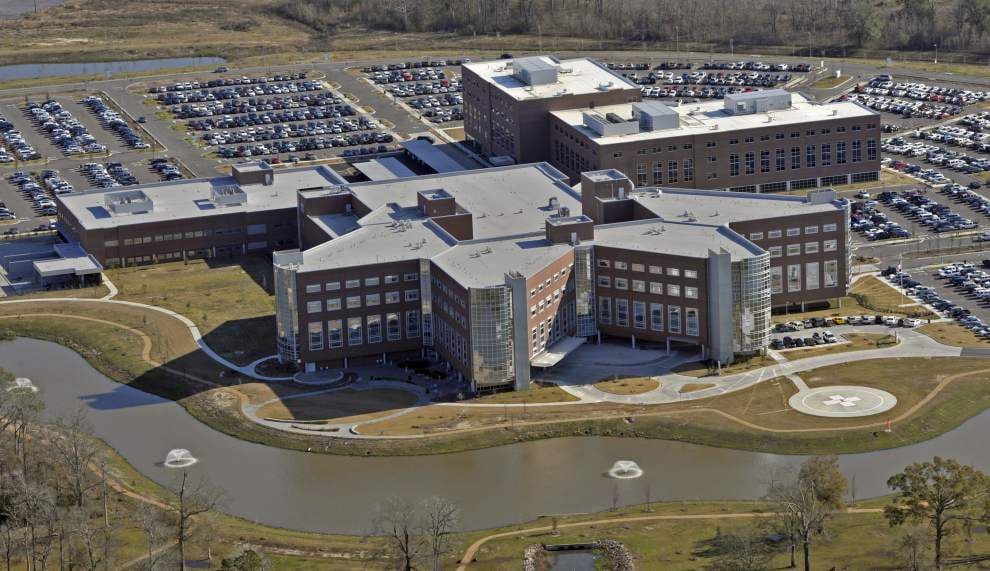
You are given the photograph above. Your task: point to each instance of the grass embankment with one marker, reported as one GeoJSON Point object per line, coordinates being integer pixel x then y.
{"type": "Point", "coordinates": [951, 333]}
{"type": "Point", "coordinates": [628, 386]}
{"type": "Point", "coordinates": [855, 342]}
{"type": "Point", "coordinates": [742, 364]}
{"type": "Point", "coordinates": [230, 302]}
{"type": "Point", "coordinates": [338, 404]}
{"type": "Point", "coordinates": [694, 387]}
{"type": "Point", "coordinates": [756, 418]}
{"type": "Point", "coordinates": [830, 82]}
{"type": "Point", "coordinates": [868, 295]}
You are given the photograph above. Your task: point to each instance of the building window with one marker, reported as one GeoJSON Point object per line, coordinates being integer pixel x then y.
{"type": "Point", "coordinates": [393, 279]}
{"type": "Point", "coordinates": [391, 297]}
{"type": "Point", "coordinates": [829, 227]}
{"type": "Point", "coordinates": [756, 235]}
{"type": "Point", "coordinates": [656, 288]}
{"type": "Point", "coordinates": [603, 263]}
{"type": "Point", "coordinates": [655, 269]}
{"type": "Point", "coordinates": [671, 172]}
{"type": "Point", "coordinates": [673, 290]}
{"type": "Point", "coordinates": [355, 333]}
{"type": "Point", "coordinates": [619, 265]}
{"type": "Point", "coordinates": [688, 170]}
{"type": "Point", "coordinates": [871, 150]}
{"type": "Point", "coordinates": [794, 277]}
{"type": "Point", "coordinates": [794, 249]}
{"type": "Point", "coordinates": [764, 161]}
{"type": "Point", "coordinates": [412, 295]}
{"type": "Point", "coordinates": [335, 334]}
{"type": "Point", "coordinates": [811, 275]}
{"type": "Point", "coordinates": [674, 319]}
{"type": "Point", "coordinates": [733, 165]}
{"type": "Point", "coordinates": [690, 292]}
{"type": "Point", "coordinates": [776, 279]}
{"type": "Point", "coordinates": [412, 324]}
{"type": "Point", "coordinates": [710, 144]}
{"type": "Point", "coordinates": [392, 326]}
{"type": "Point", "coordinates": [795, 157]}
{"type": "Point", "coordinates": [811, 248]}
{"type": "Point", "coordinates": [333, 286]}
{"type": "Point", "coordinates": [373, 299]}
{"type": "Point", "coordinates": [658, 172]}
{"type": "Point", "coordinates": [374, 328]}
{"type": "Point", "coordinates": [779, 159]}
{"type": "Point", "coordinates": [776, 251]}
{"type": "Point", "coordinates": [673, 272]}
{"type": "Point", "coordinates": [315, 336]}
{"type": "Point", "coordinates": [750, 163]}
{"type": "Point", "coordinates": [638, 268]}
{"type": "Point", "coordinates": [333, 303]}
{"type": "Point", "coordinates": [656, 316]}
{"type": "Point", "coordinates": [831, 273]}
{"type": "Point", "coordinates": [857, 151]}
{"type": "Point", "coordinates": [811, 229]}
{"type": "Point", "coordinates": [793, 231]}
{"type": "Point", "coordinates": [840, 153]}
{"type": "Point", "coordinates": [691, 274]}
{"type": "Point", "coordinates": [639, 315]}
{"type": "Point", "coordinates": [604, 281]}
{"type": "Point", "coordinates": [639, 285]}
{"type": "Point", "coordinates": [810, 156]}
{"type": "Point", "coordinates": [771, 234]}
{"type": "Point", "coordinates": [826, 155]}
{"type": "Point", "coordinates": [371, 282]}
{"type": "Point", "coordinates": [641, 174]}
{"type": "Point", "coordinates": [353, 301]}
{"type": "Point", "coordinates": [622, 312]}
{"type": "Point", "coordinates": [410, 277]}
{"type": "Point", "coordinates": [691, 321]}
{"type": "Point", "coordinates": [313, 288]}
{"type": "Point", "coordinates": [604, 310]}
{"type": "Point", "coordinates": [314, 306]}
{"type": "Point", "coordinates": [621, 283]}
{"type": "Point", "coordinates": [829, 245]}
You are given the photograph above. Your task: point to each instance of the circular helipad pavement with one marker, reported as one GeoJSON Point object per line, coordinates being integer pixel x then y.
{"type": "Point", "coordinates": [842, 401]}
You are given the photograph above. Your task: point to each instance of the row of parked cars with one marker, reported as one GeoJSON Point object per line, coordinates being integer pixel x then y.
{"type": "Point", "coordinates": [905, 107]}
{"type": "Point", "coordinates": [237, 92]}
{"type": "Point", "coordinates": [444, 114]}
{"type": "Point", "coordinates": [166, 169]}
{"type": "Point", "coordinates": [931, 175]}
{"type": "Point", "coordinates": [64, 130]}
{"type": "Point", "coordinates": [114, 122]}
{"type": "Point", "coordinates": [310, 114]}
{"type": "Point", "coordinates": [408, 75]}
{"type": "Point", "coordinates": [714, 79]}
{"type": "Point", "coordinates": [226, 82]}
{"type": "Point", "coordinates": [307, 144]}
{"type": "Point", "coordinates": [872, 223]}
{"type": "Point", "coordinates": [13, 142]}
{"type": "Point", "coordinates": [885, 85]}
{"type": "Point", "coordinates": [817, 338]}
{"type": "Point", "coordinates": [433, 101]}
{"type": "Point", "coordinates": [40, 196]}
{"type": "Point", "coordinates": [259, 105]}
{"type": "Point", "coordinates": [966, 196]}
{"type": "Point", "coordinates": [928, 294]}
{"type": "Point", "coordinates": [434, 88]}
{"type": "Point", "coordinates": [293, 131]}
{"type": "Point", "coordinates": [687, 92]}
{"type": "Point", "coordinates": [936, 155]}
{"type": "Point", "coordinates": [917, 205]}
{"type": "Point", "coordinates": [109, 175]}
{"type": "Point", "coordinates": [956, 136]}
{"type": "Point", "coordinates": [967, 279]}
{"type": "Point", "coordinates": [371, 69]}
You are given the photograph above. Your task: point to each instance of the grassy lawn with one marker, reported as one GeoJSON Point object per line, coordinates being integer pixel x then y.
{"type": "Point", "coordinates": [95, 292]}
{"type": "Point", "coordinates": [830, 82]}
{"type": "Point", "coordinates": [856, 342]}
{"type": "Point", "coordinates": [699, 369]}
{"type": "Point", "coordinates": [231, 303]}
{"type": "Point", "coordinates": [868, 295]}
{"type": "Point", "coordinates": [951, 333]}
{"type": "Point", "coordinates": [338, 404]}
{"type": "Point", "coordinates": [549, 393]}
{"type": "Point", "coordinates": [628, 386]}
{"type": "Point", "coordinates": [693, 387]}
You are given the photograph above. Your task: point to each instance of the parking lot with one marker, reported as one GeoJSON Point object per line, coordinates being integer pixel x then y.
{"type": "Point", "coordinates": [426, 89]}
{"type": "Point", "coordinates": [958, 290]}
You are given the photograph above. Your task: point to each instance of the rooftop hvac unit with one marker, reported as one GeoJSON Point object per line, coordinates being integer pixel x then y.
{"type": "Point", "coordinates": [554, 202]}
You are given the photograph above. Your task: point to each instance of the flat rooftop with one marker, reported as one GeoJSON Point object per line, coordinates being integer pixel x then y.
{"type": "Point", "coordinates": [194, 198]}
{"type": "Point", "coordinates": [690, 240]}
{"type": "Point", "coordinates": [710, 116]}
{"type": "Point", "coordinates": [574, 76]}
{"type": "Point", "coordinates": [482, 263]}
{"type": "Point", "coordinates": [716, 207]}
{"type": "Point", "coordinates": [502, 201]}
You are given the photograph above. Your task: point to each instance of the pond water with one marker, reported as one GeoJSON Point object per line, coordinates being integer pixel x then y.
{"type": "Point", "coordinates": [33, 70]}
{"type": "Point", "coordinates": [494, 486]}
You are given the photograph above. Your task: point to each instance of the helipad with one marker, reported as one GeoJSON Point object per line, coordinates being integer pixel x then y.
{"type": "Point", "coordinates": [842, 401]}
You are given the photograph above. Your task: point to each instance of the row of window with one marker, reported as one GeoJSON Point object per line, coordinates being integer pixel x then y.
{"type": "Point", "coordinates": [673, 316]}
{"type": "Point", "coordinates": [354, 301]}
{"type": "Point", "coordinates": [791, 232]}
{"type": "Point", "coordinates": [361, 330]}
{"type": "Point", "coordinates": [811, 155]}
{"type": "Point", "coordinates": [550, 330]}
{"type": "Point", "coordinates": [557, 276]}
{"type": "Point", "coordinates": [176, 236]}
{"type": "Point", "coordinates": [641, 268]}
{"type": "Point", "coordinates": [673, 290]}
{"type": "Point", "coordinates": [816, 276]}
{"type": "Point", "coordinates": [356, 283]}
{"type": "Point", "coordinates": [809, 248]}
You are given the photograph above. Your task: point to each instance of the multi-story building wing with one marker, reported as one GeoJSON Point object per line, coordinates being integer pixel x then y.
{"type": "Point", "coordinates": [763, 141]}
{"type": "Point", "coordinates": [507, 102]}
{"type": "Point", "coordinates": [498, 270]}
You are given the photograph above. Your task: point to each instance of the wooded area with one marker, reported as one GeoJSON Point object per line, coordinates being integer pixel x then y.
{"type": "Point", "coordinates": [959, 25]}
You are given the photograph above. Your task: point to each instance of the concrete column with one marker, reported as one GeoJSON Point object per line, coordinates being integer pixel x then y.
{"type": "Point", "coordinates": [599, 337]}
{"type": "Point", "coordinates": [632, 339]}
{"type": "Point", "coordinates": [668, 345]}
{"type": "Point", "coordinates": [345, 362]}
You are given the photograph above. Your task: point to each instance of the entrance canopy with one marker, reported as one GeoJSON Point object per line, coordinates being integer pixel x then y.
{"type": "Point", "coordinates": [556, 352]}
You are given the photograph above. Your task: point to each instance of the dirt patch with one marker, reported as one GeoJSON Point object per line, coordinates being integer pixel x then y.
{"type": "Point", "coordinates": [629, 386]}
{"type": "Point", "coordinates": [693, 387]}
{"type": "Point", "coordinates": [338, 404]}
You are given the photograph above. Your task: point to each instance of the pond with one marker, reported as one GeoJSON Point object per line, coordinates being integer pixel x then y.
{"type": "Point", "coordinates": [34, 70]}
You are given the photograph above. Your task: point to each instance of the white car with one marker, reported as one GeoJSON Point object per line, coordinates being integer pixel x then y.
{"type": "Point", "coordinates": [891, 320]}
{"type": "Point", "coordinates": [911, 322]}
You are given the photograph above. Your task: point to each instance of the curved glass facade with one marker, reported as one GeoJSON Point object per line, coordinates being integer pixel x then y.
{"type": "Point", "coordinates": [751, 303]}
{"type": "Point", "coordinates": [491, 336]}
{"type": "Point", "coordinates": [286, 316]}
{"type": "Point", "coordinates": [584, 291]}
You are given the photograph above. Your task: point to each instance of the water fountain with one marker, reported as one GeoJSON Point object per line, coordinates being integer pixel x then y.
{"type": "Point", "coordinates": [23, 383]}
{"type": "Point", "coordinates": [179, 458]}
{"type": "Point", "coordinates": [625, 470]}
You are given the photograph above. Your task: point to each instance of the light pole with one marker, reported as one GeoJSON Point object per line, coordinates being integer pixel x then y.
{"type": "Point", "coordinates": [180, 459]}
{"type": "Point", "coordinates": [936, 53]}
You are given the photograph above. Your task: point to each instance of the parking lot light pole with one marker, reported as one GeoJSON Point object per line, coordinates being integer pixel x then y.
{"type": "Point", "coordinates": [936, 53]}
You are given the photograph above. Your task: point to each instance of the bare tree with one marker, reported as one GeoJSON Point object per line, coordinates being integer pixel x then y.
{"type": "Point", "coordinates": [397, 520]}
{"type": "Point", "coordinates": [440, 519]}
{"type": "Point", "coordinates": [75, 451]}
{"type": "Point", "coordinates": [193, 501]}
{"type": "Point", "coordinates": [915, 544]}
{"type": "Point", "coordinates": [157, 530]}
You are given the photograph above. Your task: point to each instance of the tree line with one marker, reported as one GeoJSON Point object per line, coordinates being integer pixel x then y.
{"type": "Point", "coordinates": [960, 25]}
